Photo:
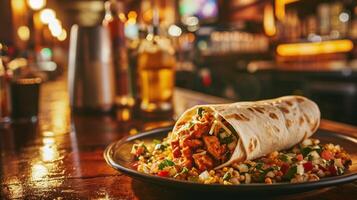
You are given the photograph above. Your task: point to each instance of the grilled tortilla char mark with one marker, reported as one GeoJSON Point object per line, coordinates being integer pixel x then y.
{"type": "Point", "coordinates": [273, 116]}
{"type": "Point", "coordinates": [240, 117]}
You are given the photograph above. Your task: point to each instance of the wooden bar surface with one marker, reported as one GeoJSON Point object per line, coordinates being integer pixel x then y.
{"type": "Point", "coordinates": [61, 156]}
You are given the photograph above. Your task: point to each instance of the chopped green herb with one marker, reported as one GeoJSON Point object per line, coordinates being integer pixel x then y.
{"type": "Point", "coordinates": [272, 168]}
{"type": "Point", "coordinates": [305, 151]}
{"type": "Point", "coordinates": [226, 140]}
{"type": "Point", "coordinates": [200, 111]}
{"type": "Point", "coordinates": [227, 176]}
{"type": "Point", "coordinates": [284, 158]}
{"type": "Point", "coordinates": [165, 163]}
{"type": "Point", "coordinates": [340, 171]}
{"type": "Point", "coordinates": [310, 157]}
{"type": "Point", "coordinates": [259, 165]}
{"type": "Point", "coordinates": [291, 173]}
{"type": "Point", "coordinates": [184, 170]}
{"type": "Point", "coordinates": [156, 141]}
{"type": "Point", "coordinates": [261, 177]}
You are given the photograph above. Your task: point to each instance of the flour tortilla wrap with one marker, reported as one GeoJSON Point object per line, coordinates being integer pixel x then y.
{"type": "Point", "coordinates": [264, 126]}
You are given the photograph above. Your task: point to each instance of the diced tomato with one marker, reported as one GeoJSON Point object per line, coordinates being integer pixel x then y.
{"type": "Point", "coordinates": [308, 166]}
{"type": "Point", "coordinates": [135, 165]}
{"type": "Point", "coordinates": [284, 168]}
{"type": "Point", "coordinates": [139, 151]}
{"type": "Point", "coordinates": [327, 155]}
{"type": "Point", "coordinates": [163, 173]}
{"type": "Point", "coordinates": [333, 170]}
{"type": "Point", "coordinates": [299, 157]}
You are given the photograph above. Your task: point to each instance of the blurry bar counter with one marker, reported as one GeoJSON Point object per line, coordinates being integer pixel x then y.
{"type": "Point", "coordinates": [333, 84]}
{"type": "Point", "coordinates": [62, 154]}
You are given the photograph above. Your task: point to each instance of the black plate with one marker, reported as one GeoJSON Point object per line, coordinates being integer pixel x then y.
{"type": "Point", "coordinates": [118, 156]}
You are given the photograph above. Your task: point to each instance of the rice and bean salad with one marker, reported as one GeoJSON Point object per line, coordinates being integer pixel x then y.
{"type": "Point", "coordinates": [307, 161]}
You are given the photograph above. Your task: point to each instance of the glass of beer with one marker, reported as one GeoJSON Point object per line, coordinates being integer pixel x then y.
{"type": "Point", "coordinates": [156, 75]}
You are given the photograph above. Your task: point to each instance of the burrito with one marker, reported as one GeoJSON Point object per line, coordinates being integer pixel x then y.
{"type": "Point", "coordinates": [214, 136]}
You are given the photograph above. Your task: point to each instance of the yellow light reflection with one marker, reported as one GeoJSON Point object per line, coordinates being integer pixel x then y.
{"type": "Point", "coordinates": [302, 49]}
{"type": "Point", "coordinates": [48, 141]}
{"type": "Point", "coordinates": [48, 133]}
{"type": "Point", "coordinates": [131, 21]}
{"type": "Point", "coordinates": [269, 21]}
{"type": "Point", "coordinates": [23, 32]}
{"type": "Point", "coordinates": [18, 6]}
{"type": "Point", "coordinates": [123, 114]}
{"type": "Point", "coordinates": [49, 150]}
{"type": "Point", "coordinates": [49, 153]}
{"type": "Point", "coordinates": [63, 35]}
{"type": "Point", "coordinates": [280, 8]}
{"type": "Point", "coordinates": [133, 131]}
{"type": "Point", "coordinates": [147, 16]}
{"type": "Point", "coordinates": [132, 14]}
{"type": "Point", "coordinates": [38, 172]}
{"type": "Point", "coordinates": [122, 17]}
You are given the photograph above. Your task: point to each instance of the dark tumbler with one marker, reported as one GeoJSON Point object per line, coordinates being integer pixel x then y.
{"type": "Point", "coordinates": [25, 98]}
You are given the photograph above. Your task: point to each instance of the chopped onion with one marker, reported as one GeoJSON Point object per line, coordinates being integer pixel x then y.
{"type": "Point", "coordinates": [211, 131]}
{"type": "Point", "coordinates": [338, 162]}
{"type": "Point", "coordinates": [204, 175]}
{"type": "Point", "coordinates": [300, 169]}
{"type": "Point", "coordinates": [243, 168]}
{"type": "Point", "coordinates": [306, 142]}
{"type": "Point", "coordinates": [314, 155]}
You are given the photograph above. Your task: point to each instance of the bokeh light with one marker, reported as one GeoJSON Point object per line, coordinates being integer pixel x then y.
{"type": "Point", "coordinates": [24, 33]}
{"type": "Point", "coordinates": [63, 35]}
{"type": "Point", "coordinates": [47, 15]}
{"type": "Point", "coordinates": [174, 30]}
{"type": "Point", "coordinates": [55, 27]}
{"type": "Point", "coordinates": [46, 53]}
{"type": "Point", "coordinates": [36, 4]}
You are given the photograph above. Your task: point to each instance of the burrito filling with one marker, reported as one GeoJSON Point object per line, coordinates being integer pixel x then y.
{"type": "Point", "coordinates": [204, 141]}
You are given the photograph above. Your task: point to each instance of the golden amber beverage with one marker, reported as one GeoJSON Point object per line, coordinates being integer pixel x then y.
{"type": "Point", "coordinates": [156, 71]}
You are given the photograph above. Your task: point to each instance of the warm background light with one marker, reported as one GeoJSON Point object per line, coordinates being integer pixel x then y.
{"type": "Point", "coordinates": [63, 35]}
{"type": "Point", "coordinates": [174, 30]}
{"type": "Point", "coordinates": [269, 21]}
{"type": "Point", "coordinates": [55, 27]}
{"type": "Point", "coordinates": [280, 8]}
{"type": "Point", "coordinates": [24, 33]}
{"type": "Point", "coordinates": [18, 5]}
{"type": "Point", "coordinates": [304, 49]}
{"type": "Point", "coordinates": [47, 15]}
{"type": "Point", "coordinates": [36, 4]}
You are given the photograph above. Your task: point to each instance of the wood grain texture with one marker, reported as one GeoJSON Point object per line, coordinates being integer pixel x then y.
{"type": "Point", "coordinates": [61, 156]}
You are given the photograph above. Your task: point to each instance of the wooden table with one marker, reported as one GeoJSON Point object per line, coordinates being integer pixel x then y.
{"type": "Point", "coordinates": [61, 156]}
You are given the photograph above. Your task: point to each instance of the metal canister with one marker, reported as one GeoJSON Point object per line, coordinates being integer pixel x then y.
{"type": "Point", "coordinates": [91, 73]}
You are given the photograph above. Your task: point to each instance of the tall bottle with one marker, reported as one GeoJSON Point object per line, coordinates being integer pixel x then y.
{"type": "Point", "coordinates": [156, 71]}
{"type": "Point", "coordinates": [115, 21]}
{"type": "Point", "coordinates": [4, 92]}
